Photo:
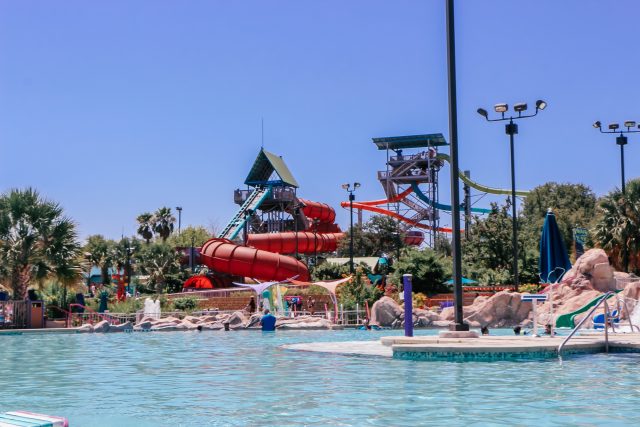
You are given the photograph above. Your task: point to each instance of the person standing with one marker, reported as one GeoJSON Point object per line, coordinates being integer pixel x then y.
{"type": "Point", "coordinates": [251, 307]}
{"type": "Point", "coordinates": [268, 321]}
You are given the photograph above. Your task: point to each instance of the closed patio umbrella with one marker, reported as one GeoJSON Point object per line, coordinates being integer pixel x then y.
{"type": "Point", "coordinates": [554, 260]}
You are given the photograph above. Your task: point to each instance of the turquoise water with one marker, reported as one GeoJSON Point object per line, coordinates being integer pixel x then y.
{"type": "Point", "coordinates": [244, 379]}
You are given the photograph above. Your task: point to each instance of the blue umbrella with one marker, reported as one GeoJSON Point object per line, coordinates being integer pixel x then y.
{"type": "Point", "coordinates": [554, 260]}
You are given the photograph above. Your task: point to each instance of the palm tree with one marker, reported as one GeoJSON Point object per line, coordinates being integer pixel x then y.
{"type": "Point", "coordinates": [159, 261]}
{"type": "Point", "coordinates": [37, 242]}
{"type": "Point", "coordinates": [145, 226]}
{"type": "Point", "coordinates": [99, 252]}
{"type": "Point", "coordinates": [163, 222]}
{"type": "Point", "coordinates": [618, 227]}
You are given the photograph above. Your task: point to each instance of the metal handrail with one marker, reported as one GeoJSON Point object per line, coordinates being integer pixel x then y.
{"type": "Point", "coordinates": [588, 316]}
{"type": "Point", "coordinates": [626, 309]}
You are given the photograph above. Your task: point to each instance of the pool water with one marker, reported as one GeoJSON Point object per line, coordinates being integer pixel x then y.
{"type": "Point", "coordinates": [243, 378]}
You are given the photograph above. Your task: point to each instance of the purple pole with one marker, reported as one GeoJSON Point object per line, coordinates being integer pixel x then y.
{"type": "Point", "coordinates": [408, 305]}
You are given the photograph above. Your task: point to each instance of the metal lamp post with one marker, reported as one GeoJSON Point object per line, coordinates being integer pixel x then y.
{"type": "Point", "coordinates": [179, 209]}
{"type": "Point", "coordinates": [621, 140]}
{"type": "Point", "coordinates": [129, 252]}
{"type": "Point", "coordinates": [512, 129]}
{"type": "Point", "coordinates": [350, 189]}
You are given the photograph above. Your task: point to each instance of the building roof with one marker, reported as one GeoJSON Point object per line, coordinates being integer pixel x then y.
{"type": "Point", "coordinates": [263, 169]}
{"type": "Point", "coordinates": [410, 141]}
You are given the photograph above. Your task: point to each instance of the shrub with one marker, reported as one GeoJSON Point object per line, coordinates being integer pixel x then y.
{"type": "Point", "coordinates": [185, 304]}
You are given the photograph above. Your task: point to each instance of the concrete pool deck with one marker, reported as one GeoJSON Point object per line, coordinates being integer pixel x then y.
{"type": "Point", "coordinates": [482, 348]}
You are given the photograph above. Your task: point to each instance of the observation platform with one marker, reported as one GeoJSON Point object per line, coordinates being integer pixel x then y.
{"type": "Point", "coordinates": [483, 348]}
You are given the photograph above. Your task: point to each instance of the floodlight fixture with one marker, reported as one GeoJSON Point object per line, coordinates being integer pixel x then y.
{"type": "Point", "coordinates": [541, 105]}
{"type": "Point", "coordinates": [629, 124]}
{"type": "Point", "coordinates": [614, 126]}
{"type": "Point", "coordinates": [356, 185]}
{"type": "Point", "coordinates": [597, 124]}
{"type": "Point", "coordinates": [345, 186]}
{"type": "Point", "coordinates": [501, 108]}
{"type": "Point", "coordinates": [520, 107]}
{"type": "Point", "coordinates": [483, 113]}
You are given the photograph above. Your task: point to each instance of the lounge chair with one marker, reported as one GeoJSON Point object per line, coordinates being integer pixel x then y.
{"type": "Point", "coordinates": [598, 319]}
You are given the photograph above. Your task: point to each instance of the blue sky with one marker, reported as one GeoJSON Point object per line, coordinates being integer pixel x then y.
{"type": "Point", "coordinates": [116, 108]}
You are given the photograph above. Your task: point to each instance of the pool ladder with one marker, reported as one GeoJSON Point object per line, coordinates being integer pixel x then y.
{"type": "Point", "coordinates": [608, 322]}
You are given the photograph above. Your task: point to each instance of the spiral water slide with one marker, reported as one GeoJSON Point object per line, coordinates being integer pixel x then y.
{"type": "Point", "coordinates": [320, 237]}
{"type": "Point", "coordinates": [224, 256]}
{"type": "Point", "coordinates": [263, 260]}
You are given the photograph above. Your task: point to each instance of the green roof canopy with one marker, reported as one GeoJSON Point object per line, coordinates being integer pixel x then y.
{"type": "Point", "coordinates": [410, 141]}
{"type": "Point", "coordinates": [263, 169]}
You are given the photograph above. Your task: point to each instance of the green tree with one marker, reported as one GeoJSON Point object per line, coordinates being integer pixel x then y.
{"type": "Point", "coordinates": [145, 226]}
{"type": "Point", "coordinates": [357, 291]}
{"type": "Point", "coordinates": [98, 251]}
{"type": "Point", "coordinates": [37, 242]}
{"type": "Point", "coordinates": [574, 205]}
{"type": "Point", "coordinates": [190, 235]}
{"type": "Point", "coordinates": [617, 229]}
{"type": "Point", "coordinates": [163, 222]}
{"type": "Point", "coordinates": [160, 261]}
{"type": "Point", "coordinates": [427, 269]}
{"type": "Point", "coordinates": [380, 234]}
{"type": "Point", "coordinates": [488, 250]}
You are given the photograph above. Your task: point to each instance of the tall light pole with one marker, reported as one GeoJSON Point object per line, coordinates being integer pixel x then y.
{"type": "Point", "coordinates": [458, 324]}
{"type": "Point", "coordinates": [511, 130]}
{"type": "Point", "coordinates": [350, 189]}
{"type": "Point", "coordinates": [621, 140]}
{"type": "Point", "coordinates": [179, 209]}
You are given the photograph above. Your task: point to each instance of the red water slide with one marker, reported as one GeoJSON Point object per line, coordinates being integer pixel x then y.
{"type": "Point", "coordinates": [320, 211]}
{"type": "Point", "coordinates": [226, 257]}
{"type": "Point", "coordinates": [394, 215]}
{"type": "Point", "coordinates": [322, 236]}
{"type": "Point", "coordinates": [414, 238]}
{"type": "Point", "coordinates": [285, 243]}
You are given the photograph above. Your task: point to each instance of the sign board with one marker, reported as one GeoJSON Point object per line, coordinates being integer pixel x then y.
{"type": "Point", "coordinates": [579, 239]}
{"type": "Point", "coordinates": [534, 297]}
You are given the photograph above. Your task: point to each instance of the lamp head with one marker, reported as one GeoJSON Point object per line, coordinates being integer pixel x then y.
{"type": "Point", "coordinates": [178, 208]}
{"type": "Point", "coordinates": [501, 108]}
{"type": "Point", "coordinates": [346, 186]}
{"type": "Point", "coordinates": [540, 104]}
{"type": "Point", "coordinates": [630, 124]}
{"type": "Point", "coordinates": [483, 113]}
{"type": "Point", "coordinates": [597, 124]}
{"type": "Point", "coordinates": [614, 126]}
{"type": "Point", "coordinates": [356, 185]}
{"type": "Point", "coordinates": [520, 107]}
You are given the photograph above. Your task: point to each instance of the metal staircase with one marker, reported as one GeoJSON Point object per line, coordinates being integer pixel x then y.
{"type": "Point", "coordinates": [250, 205]}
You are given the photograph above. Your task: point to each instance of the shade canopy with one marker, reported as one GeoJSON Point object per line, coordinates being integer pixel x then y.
{"type": "Point", "coordinates": [260, 287]}
{"type": "Point", "coordinates": [554, 260]}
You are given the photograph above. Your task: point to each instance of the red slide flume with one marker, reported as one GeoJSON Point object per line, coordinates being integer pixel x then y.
{"type": "Point", "coordinates": [226, 257]}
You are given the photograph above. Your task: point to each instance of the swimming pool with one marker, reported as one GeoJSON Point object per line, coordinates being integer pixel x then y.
{"type": "Point", "coordinates": [243, 378]}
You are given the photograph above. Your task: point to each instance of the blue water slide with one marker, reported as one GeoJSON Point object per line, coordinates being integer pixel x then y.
{"type": "Point", "coordinates": [437, 205]}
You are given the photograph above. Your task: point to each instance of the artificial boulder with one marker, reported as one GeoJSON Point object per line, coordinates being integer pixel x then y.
{"type": "Point", "coordinates": [591, 271]}
{"type": "Point", "coordinates": [385, 312]}
{"type": "Point", "coordinates": [236, 320]}
{"type": "Point", "coordinates": [102, 326]}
